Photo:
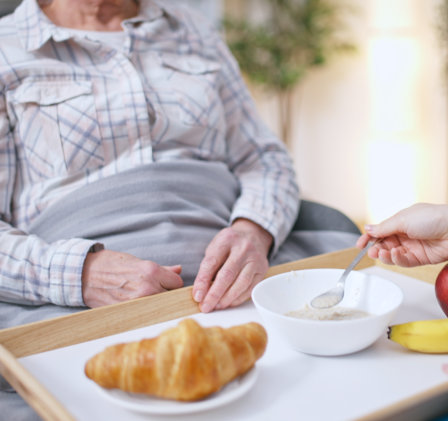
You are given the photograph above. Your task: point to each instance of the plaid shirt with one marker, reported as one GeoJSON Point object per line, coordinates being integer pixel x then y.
{"type": "Point", "coordinates": [74, 110]}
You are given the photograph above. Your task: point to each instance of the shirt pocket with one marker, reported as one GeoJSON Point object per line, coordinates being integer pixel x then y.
{"type": "Point", "coordinates": [190, 91]}
{"type": "Point", "coordinates": [57, 127]}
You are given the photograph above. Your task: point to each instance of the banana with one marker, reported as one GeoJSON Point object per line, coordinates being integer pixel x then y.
{"type": "Point", "coordinates": [428, 336]}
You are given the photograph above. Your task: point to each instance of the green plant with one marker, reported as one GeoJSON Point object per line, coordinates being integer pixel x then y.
{"type": "Point", "coordinates": [278, 52]}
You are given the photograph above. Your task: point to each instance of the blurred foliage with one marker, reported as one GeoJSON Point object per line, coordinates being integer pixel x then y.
{"type": "Point", "coordinates": [297, 36]}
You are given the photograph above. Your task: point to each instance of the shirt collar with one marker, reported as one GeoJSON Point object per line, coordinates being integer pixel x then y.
{"type": "Point", "coordinates": [35, 29]}
{"type": "Point", "coordinates": [149, 10]}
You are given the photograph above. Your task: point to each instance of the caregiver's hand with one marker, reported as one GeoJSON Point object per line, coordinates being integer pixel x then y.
{"type": "Point", "coordinates": [235, 261]}
{"type": "Point", "coordinates": [109, 277]}
{"type": "Point", "coordinates": [415, 236]}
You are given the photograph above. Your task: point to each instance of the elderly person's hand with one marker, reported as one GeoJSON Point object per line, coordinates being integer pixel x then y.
{"type": "Point", "coordinates": [109, 277]}
{"type": "Point", "coordinates": [415, 236]}
{"type": "Point", "coordinates": [235, 261]}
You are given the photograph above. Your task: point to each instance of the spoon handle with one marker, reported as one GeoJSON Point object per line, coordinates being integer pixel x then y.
{"type": "Point", "coordinates": [356, 260]}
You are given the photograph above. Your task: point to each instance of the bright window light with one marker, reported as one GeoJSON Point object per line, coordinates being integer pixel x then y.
{"type": "Point", "coordinates": [393, 74]}
{"type": "Point", "coordinates": [391, 183]}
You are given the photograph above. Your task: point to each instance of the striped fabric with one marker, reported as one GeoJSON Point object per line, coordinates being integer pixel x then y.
{"type": "Point", "coordinates": [74, 111]}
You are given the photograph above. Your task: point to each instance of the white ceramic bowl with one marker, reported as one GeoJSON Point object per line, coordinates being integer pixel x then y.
{"type": "Point", "coordinates": [279, 294]}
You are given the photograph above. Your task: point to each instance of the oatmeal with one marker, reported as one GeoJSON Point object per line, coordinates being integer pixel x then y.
{"type": "Point", "coordinates": [336, 313]}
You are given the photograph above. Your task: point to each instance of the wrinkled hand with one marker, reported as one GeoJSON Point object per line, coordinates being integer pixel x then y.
{"type": "Point", "coordinates": [415, 236]}
{"type": "Point", "coordinates": [235, 261]}
{"type": "Point", "coordinates": [109, 277]}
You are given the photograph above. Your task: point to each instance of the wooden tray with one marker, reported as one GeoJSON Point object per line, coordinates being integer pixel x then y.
{"type": "Point", "coordinates": [91, 324]}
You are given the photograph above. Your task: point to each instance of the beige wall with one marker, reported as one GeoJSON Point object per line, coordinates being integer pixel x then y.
{"type": "Point", "coordinates": [370, 131]}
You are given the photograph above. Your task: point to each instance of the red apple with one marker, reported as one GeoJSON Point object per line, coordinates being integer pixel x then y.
{"type": "Point", "coordinates": [442, 289]}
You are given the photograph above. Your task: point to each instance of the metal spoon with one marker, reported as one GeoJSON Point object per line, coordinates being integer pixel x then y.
{"type": "Point", "coordinates": [335, 295]}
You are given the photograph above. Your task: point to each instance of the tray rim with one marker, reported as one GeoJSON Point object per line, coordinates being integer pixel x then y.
{"type": "Point", "coordinates": [89, 324]}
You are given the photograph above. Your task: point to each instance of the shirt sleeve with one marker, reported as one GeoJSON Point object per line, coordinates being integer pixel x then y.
{"type": "Point", "coordinates": [31, 270]}
{"type": "Point", "coordinates": [269, 191]}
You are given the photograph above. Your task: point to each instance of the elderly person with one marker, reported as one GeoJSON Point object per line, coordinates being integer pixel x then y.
{"type": "Point", "coordinates": [127, 126]}
{"type": "Point", "coordinates": [132, 160]}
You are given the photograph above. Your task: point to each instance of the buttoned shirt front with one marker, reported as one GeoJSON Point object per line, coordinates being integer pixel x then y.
{"type": "Point", "coordinates": [74, 110]}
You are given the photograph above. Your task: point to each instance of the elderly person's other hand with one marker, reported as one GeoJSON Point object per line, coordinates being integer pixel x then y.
{"type": "Point", "coordinates": [235, 261]}
{"type": "Point", "coordinates": [109, 277]}
{"type": "Point", "coordinates": [415, 236]}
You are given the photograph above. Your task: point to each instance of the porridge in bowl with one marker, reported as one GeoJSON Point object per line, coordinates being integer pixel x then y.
{"type": "Point", "coordinates": [335, 313]}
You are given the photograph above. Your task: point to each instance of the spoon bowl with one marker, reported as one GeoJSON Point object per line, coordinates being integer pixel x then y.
{"type": "Point", "coordinates": [334, 296]}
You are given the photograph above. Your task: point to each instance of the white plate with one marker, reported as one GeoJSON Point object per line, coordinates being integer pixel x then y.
{"type": "Point", "coordinates": [143, 403]}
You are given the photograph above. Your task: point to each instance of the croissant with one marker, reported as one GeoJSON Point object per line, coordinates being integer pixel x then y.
{"type": "Point", "coordinates": [186, 363]}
